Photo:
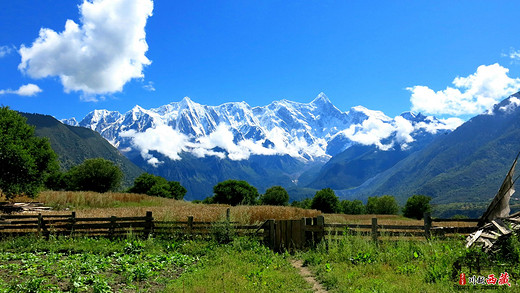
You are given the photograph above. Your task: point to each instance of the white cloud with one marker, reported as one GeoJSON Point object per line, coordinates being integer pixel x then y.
{"type": "Point", "coordinates": [149, 87]}
{"type": "Point", "coordinates": [403, 129]}
{"type": "Point", "coordinates": [514, 55]}
{"type": "Point", "coordinates": [99, 55]}
{"type": "Point", "coordinates": [514, 103]}
{"type": "Point", "coordinates": [5, 50]}
{"type": "Point", "coordinates": [161, 138]}
{"type": "Point", "coordinates": [371, 132]}
{"type": "Point", "coordinates": [170, 142]}
{"type": "Point", "coordinates": [433, 126]}
{"type": "Point", "coordinates": [471, 95]}
{"type": "Point", "coordinates": [27, 90]}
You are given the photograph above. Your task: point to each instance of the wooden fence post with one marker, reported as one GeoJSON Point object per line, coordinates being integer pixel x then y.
{"type": "Point", "coordinates": [40, 224]}
{"type": "Point", "coordinates": [320, 222]}
{"type": "Point", "coordinates": [190, 225]}
{"type": "Point", "coordinates": [149, 224]}
{"type": "Point", "coordinates": [303, 242]}
{"type": "Point", "coordinates": [228, 215]}
{"type": "Point", "coordinates": [427, 225]}
{"type": "Point", "coordinates": [272, 240]}
{"type": "Point", "coordinates": [374, 229]}
{"type": "Point", "coordinates": [112, 228]}
{"type": "Point", "coordinates": [72, 222]}
{"type": "Point", "coordinates": [308, 234]}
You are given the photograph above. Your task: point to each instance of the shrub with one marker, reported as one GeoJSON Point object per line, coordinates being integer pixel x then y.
{"type": "Point", "coordinates": [303, 204]}
{"type": "Point", "coordinates": [158, 186]}
{"type": "Point", "coordinates": [326, 201]}
{"type": "Point", "coordinates": [383, 205]}
{"type": "Point", "coordinates": [25, 160]}
{"type": "Point", "coordinates": [98, 175]}
{"type": "Point", "coordinates": [276, 196]}
{"type": "Point", "coordinates": [416, 206]}
{"type": "Point", "coordinates": [234, 192]}
{"type": "Point", "coordinates": [354, 207]}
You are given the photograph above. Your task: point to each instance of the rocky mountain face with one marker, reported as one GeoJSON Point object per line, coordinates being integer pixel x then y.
{"type": "Point", "coordinates": [201, 145]}
{"type": "Point", "coordinates": [465, 166]}
{"type": "Point", "coordinates": [75, 144]}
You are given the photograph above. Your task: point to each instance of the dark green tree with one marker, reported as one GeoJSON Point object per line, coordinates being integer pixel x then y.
{"type": "Point", "coordinates": [177, 190]}
{"type": "Point", "coordinates": [276, 196]}
{"type": "Point", "coordinates": [416, 206]}
{"type": "Point", "coordinates": [98, 175]}
{"type": "Point", "coordinates": [158, 186]}
{"type": "Point", "coordinates": [355, 207]}
{"type": "Point", "coordinates": [234, 192]}
{"type": "Point", "coordinates": [383, 205]}
{"type": "Point", "coordinates": [25, 160]}
{"type": "Point", "coordinates": [144, 182]}
{"type": "Point", "coordinates": [303, 204]}
{"type": "Point", "coordinates": [326, 201]}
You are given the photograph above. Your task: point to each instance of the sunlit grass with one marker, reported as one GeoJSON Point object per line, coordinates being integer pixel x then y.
{"type": "Point", "coordinates": [92, 204]}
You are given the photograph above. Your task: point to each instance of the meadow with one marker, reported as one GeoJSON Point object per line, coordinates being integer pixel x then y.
{"type": "Point", "coordinates": [350, 263]}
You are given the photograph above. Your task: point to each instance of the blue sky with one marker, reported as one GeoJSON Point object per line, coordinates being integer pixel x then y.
{"type": "Point", "coordinates": [444, 58]}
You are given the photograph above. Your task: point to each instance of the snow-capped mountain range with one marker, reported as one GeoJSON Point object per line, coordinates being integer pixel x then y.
{"type": "Point", "coordinates": [306, 131]}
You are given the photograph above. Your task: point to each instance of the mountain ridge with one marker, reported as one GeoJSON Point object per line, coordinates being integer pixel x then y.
{"type": "Point", "coordinates": [172, 139]}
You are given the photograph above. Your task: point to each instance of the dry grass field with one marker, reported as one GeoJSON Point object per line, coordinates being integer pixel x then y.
{"type": "Point", "coordinates": [92, 204]}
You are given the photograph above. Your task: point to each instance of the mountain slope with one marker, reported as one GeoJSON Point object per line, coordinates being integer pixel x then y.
{"type": "Point", "coordinates": [75, 144]}
{"type": "Point", "coordinates": [466, 165]}
{"type": "Point", "coordinates": [200, 145]}
{"type": "Point", "coordinates": [358, 163]}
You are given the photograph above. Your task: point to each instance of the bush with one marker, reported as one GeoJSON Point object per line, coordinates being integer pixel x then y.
{"type": "Point", "coordinates": [383, 205]}
{"type": "Point", "coordinates": [158, 186]}
{"type": "Point", "coordinates": [303, 204]}
{"type": "Point", "coordinates": [354, 207]}
{"type": "Point", "coordinates": [276, 196]}
{"type": "Point", "coordinates": [416, 206]}
{"type": "Point", "coordinates": [326, 201]}
{"type": "Point", "coordinates": [25, 160]}
{"type": "Point", "coordinates": [98, 175]}
{"type": "Point", "coordinates": [234, 192]}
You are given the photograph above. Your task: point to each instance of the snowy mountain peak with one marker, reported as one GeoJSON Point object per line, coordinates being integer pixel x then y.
{"type": "Point", "coordinates": [321, 99]}
{"type": "Point", "coordinates": [360, 111]}
{"type": "Point", "coordinates": [307, 131]}
{"type": "Point", "coordinates": [411, 116]}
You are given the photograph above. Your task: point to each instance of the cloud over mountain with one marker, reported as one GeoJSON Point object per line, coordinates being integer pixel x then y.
{"type": "Point", "coordinates": [97, 56]}
{"type": "Point", "coordinates": [237, 131]}
{"type": "Point", "coordinates": [470, 95]}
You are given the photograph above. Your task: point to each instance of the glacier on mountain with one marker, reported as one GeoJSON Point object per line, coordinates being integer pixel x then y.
{"type": "Point", "coordinates": [307, 131]}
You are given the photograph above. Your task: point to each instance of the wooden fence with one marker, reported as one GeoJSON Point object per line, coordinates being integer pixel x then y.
{"type": "Point", "coordinates": [277, 234]}
{"type": "Point", "coordinates": [296, 234]}
{"type": "Point", "coordinates": [70, 225]}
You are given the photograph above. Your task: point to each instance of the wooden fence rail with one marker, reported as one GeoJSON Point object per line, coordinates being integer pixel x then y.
{"type": "Point", "coordinates": [277, 234]}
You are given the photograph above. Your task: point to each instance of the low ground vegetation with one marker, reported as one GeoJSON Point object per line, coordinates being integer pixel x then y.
{"type": "Point", "coordinates": [346, 264]}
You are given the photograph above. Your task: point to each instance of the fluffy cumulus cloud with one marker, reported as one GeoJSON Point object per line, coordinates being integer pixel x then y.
{"type": "Point", "coordinates": [220, 143]}
{"type": "Point", "coordinates": [97, 56]}
{"type": "Point", "coordinates": [470, 95]}
{"type": "Point", "coordinates": [371, 132]}
{"type": "Point", "coordinates": [27, 90]}
{"type": "Point", "coordinates": [162, 139]}
{"type": "Point", "coordinates": [395, 133]}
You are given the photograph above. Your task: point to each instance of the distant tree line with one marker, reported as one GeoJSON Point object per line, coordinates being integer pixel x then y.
{"type": "Point", "coordinates": [326, 201]}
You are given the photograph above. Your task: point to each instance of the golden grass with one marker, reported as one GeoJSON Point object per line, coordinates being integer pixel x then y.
{"type": "Point", "coordinates": [91, 204]}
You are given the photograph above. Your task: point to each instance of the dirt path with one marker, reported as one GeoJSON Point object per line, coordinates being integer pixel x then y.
{"type": "Point", "coordinates": [308, 276]}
